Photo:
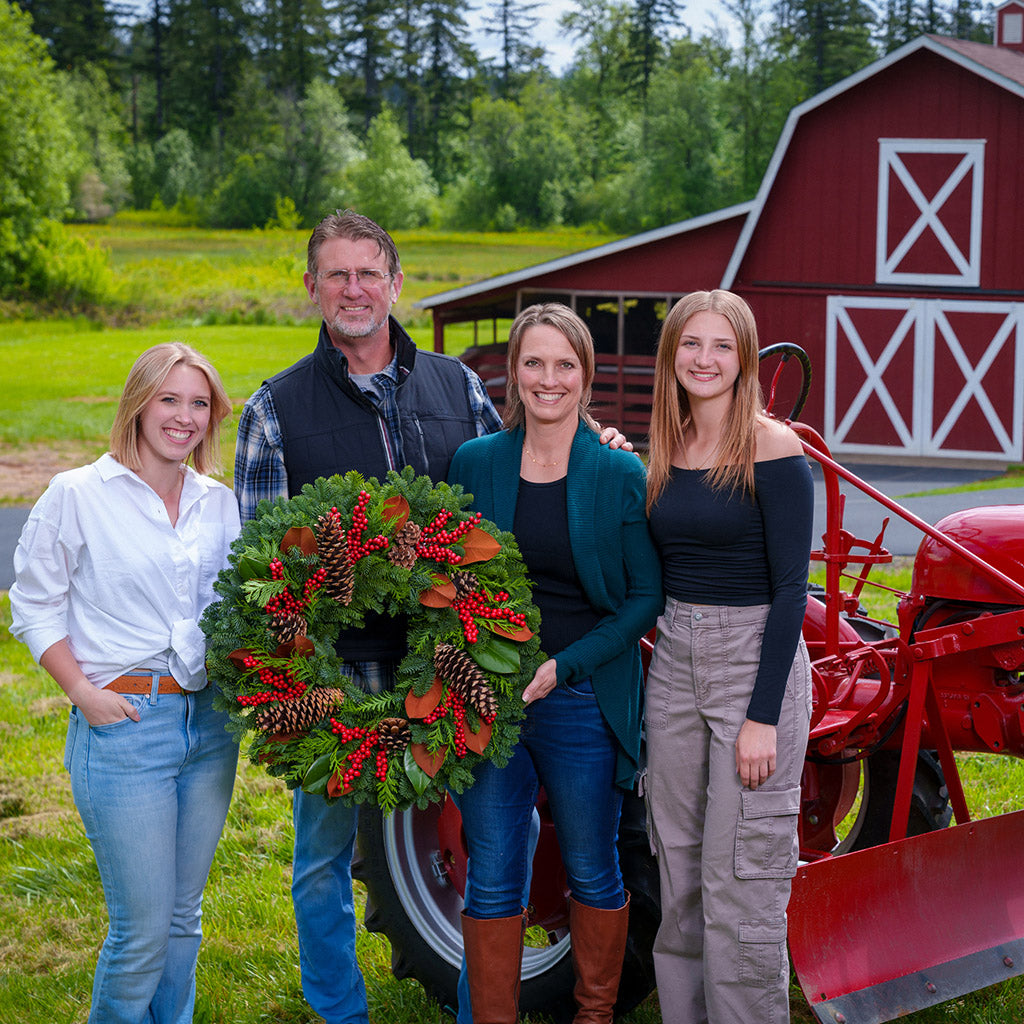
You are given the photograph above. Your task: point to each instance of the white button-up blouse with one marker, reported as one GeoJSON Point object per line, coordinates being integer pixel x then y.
{"type": "Point", "coordinates": [99, 563]}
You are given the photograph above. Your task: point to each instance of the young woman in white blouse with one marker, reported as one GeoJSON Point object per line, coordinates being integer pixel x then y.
{"type": "Point", "coordinates": [113, 571]}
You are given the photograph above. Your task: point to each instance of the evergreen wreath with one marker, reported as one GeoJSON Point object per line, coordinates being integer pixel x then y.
{"type": "Point", "coordinates": [308, 566]}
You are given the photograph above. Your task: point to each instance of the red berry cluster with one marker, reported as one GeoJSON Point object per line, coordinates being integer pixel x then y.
{"type": "Point", "coordinates": [477, 604]}
{"type": "Point", "coordinates": [435, 538]}
{"type": "Point", "coordinates": [452, 702]}
{"type": "Point", "coordinates": [313, 584]}
{"type": "Point", "coordinates": [382, 764]}
{"type": "Point", "coordinates": [286, 603]}
{"type": "Point", "coordinates": [357, 547]}
{"type": "Point", "coordinates": [356, 758]}
{"type": "Point", "coordinates": [283, 685]}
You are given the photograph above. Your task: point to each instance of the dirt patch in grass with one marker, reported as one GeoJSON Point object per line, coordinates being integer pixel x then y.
{"type": "Point", "coordinates": [25, 471]}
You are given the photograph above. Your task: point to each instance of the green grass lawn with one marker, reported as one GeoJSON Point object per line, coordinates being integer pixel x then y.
{"type": "Point", "coordinates": [237, 297]}
{"type": "Point", "coordinates": [52, 917]}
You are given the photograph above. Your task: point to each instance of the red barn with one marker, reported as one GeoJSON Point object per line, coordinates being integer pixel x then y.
{"type": "Point", "coordinates": [887, 239]}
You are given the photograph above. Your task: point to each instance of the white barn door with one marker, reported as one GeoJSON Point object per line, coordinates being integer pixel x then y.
{"type": "Point", "coordinates": [925, 377]}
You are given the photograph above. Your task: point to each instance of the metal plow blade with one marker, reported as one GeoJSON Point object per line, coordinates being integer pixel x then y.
{"type": "Point", "coordinates": [880, 933]}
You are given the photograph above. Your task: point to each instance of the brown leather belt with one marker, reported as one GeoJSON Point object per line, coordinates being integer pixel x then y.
{"type": "Point", "coordinates": [144, 684]}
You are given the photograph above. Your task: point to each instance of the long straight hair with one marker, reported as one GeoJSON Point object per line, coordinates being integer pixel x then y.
{"type": "Point", "coordinates": [574, 330]}
{"type": "Point", "coordinates": [734, 465]}
{"type": "Point", "coordinates": [145, 379]}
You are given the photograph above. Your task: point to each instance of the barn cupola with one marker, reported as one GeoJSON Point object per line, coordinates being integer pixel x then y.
{"type": "Point", "coordinates": [1010, 25]}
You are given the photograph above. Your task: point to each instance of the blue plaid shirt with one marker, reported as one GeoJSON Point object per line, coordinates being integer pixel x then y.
{"type": "Point", "coordinates": [259, 456]}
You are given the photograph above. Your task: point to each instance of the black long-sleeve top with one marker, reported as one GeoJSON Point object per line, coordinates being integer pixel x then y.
{"type": "Point", "coordinates": [720, 547]}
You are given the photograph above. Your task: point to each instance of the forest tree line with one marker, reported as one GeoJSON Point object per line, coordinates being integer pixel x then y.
{"type": "Point", "coordinates": [246, 113]}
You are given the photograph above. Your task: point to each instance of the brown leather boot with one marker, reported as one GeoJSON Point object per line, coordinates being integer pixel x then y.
{"type": "Point", "coordinates": [598, 948]}
{"type": "Point", "coordinates": [494, 959]}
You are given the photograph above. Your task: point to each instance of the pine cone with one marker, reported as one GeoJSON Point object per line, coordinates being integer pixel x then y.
{"type": "Point", "coordinates": [299, 715]}
{"type": "Point", "coordinates": [466, 679]}
{"type": "Point", "coordinates": [395, 735]}
{"type": "Point", "coordinates": [332, 549]}
{"type": "Point", "coordinates": [408, 534]}
{"type": "Point", "coordinates": [402, 555]}
{"type": "Point", "coordinates": [286, 626]}
{"type": "Point", "coordinates": [465, 583]}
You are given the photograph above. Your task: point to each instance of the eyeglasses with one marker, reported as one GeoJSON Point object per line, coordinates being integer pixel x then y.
{"type": "Point", "coordinates": [367, 277]}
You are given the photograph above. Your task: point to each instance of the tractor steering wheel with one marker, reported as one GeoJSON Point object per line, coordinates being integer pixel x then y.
{"type": "Point", "coordinates": [785, 351]}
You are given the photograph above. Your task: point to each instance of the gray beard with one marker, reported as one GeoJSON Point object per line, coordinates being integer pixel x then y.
{"type": "Point", "coordinates": [343, 330]}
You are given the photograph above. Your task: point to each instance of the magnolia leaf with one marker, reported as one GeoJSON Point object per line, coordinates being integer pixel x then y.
{"type": "Point", "coordinates": [505, 628]}
{"type": "Point", "coordinates": [315, 780]}
{"type": "Point", "coordinates": [417, 776]}
{"type": "Point", "coordinates": [251, 567]}
{"type": "Point", "coordinates": [301, 645]}
{"type": "Point", "coordinates": [433, 598]}
{"type": "Point", "coordinates": [429, 762]}
{"type": "Point", "coordinates": [395, 510]}
{"type": "Point", "coordinates": [335, 786]}
{"type": "Point", "coordinates": [301, 537]}
{"type": "Point", "coordinates": [478, 546]}
{"type": "Point", "coordinates": [420, 707]}
{"type": "Point", "coordinates": [501, 656]}
{"type": "Point", "coordinates": [444, 586]}
{"type": "Point", "coordinates": [477, 741]}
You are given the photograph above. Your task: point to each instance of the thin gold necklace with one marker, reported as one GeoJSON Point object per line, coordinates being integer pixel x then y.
{"type": "Point", "coordinates": [547, 465]}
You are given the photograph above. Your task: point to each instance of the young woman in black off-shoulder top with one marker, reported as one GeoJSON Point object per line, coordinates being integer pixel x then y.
{"type": "Point", "coordinates": [728, 701]}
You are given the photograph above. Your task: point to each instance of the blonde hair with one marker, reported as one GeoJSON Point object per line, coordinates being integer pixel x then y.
{"type": "Point", "coordinates": [670, 416]}
{"type": "Point", "coordinates": [574, 330]}
{"type": "Point", "coordinates": [145, 379]}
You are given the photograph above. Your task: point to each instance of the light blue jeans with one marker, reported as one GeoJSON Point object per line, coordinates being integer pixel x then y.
{"type": "Point", "coordinates": [322, 888]}
{"type": "Point", "coordinates": [153, 796]}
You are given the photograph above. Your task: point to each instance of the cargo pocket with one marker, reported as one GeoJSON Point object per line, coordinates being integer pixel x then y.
{"type": "Point", "coordinates": [766, 834]}
{"type": "Point", "coordinates": [763, 959]}
{"type": "Point", "coordinates": [643, 790]}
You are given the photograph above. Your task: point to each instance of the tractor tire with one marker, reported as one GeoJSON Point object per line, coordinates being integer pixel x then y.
{"type": "Point", "coordinates": [410, 899]}
{"type": "Point", "coordinates": [929, 803]}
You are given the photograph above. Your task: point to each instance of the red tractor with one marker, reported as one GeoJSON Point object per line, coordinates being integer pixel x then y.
{"type": "Point", "coordinates": [892, 702]}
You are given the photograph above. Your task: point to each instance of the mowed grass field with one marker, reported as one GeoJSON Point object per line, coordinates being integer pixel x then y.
{"type": "Point", "coordinates": [236, 296]}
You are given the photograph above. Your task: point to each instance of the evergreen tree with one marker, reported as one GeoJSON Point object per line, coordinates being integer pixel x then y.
{"type": "Point", "coordinates": [364, 48]}
{"type": "Point", "coordinates": [76, 32]}
{"type": "Point", "coordinates": [828, 39]}
{"type": "Point", "coordinates": [203, 54]}
{"type": "Point", "coordinates": [652, 21]}
{"type": "Point", "coordinates": [759, 88]}
{"type": "Point", "coordinates": [447, 57]}
{"type": "Point", "coordinates": [292, 43]}
{"type": "Point", "coordinates": [513, 23]}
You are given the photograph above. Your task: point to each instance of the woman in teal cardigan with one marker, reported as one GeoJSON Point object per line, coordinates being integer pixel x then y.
{"type": "Point", "coordinates": [577, 510]}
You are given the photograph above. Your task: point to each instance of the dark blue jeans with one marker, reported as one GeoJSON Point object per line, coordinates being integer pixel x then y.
{"type": "Point", "coordinates": [566, 747]}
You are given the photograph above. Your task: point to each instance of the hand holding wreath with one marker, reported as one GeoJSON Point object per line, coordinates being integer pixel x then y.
{"type": "Point", "coordinates": [308, 566]}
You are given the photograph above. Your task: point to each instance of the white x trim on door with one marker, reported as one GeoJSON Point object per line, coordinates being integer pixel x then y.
{"type": "Point", "coordinates": [892, 251]}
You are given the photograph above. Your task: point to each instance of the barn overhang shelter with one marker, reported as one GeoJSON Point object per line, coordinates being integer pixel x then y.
{"type": "Point", "coordinates": [885, 239]}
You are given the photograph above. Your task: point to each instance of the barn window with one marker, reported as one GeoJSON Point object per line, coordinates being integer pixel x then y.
{"type": "Point", "coordinates": [929, 211]}
{"type": "Point", "coordinates": [1013, 29]}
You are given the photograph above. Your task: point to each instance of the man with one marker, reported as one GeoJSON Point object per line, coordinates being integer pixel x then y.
{"type": "Point", "coordinates": [366, 399]}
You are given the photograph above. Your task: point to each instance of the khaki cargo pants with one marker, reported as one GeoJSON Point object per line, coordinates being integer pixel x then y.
{"type": "Point", "coordinates": [726, 854]}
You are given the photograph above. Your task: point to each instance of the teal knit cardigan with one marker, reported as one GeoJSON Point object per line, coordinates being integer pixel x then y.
{"type": "Point", "coordinates": [614, 556]}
